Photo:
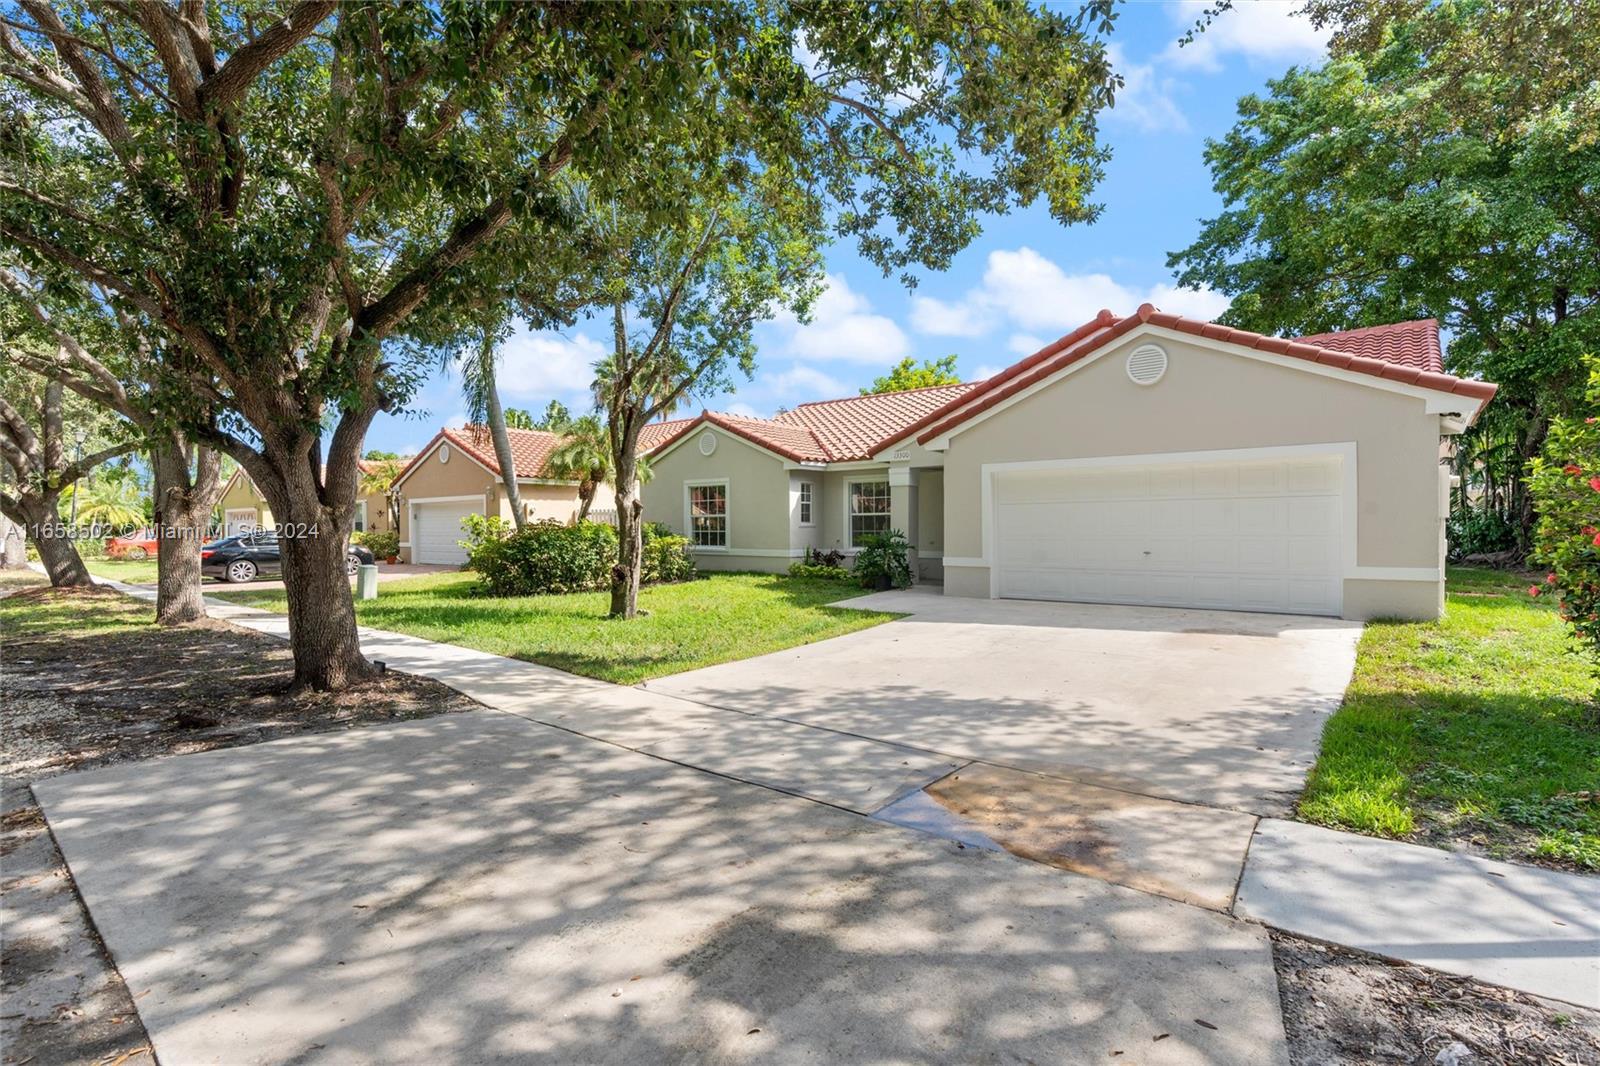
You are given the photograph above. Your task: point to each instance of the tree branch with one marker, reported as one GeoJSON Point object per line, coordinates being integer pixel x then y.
{"type": "Point", "coordinates": [242, 68]}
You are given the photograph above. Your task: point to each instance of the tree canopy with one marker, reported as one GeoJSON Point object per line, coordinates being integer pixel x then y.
{"type": "Point", "coordinates": [1426, 170]}
{"type": "Point", "coordinates": [907, 374]}
{"type": "Point", "coordinates": [311, 200]}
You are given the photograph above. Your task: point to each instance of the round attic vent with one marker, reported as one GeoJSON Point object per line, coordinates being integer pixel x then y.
{"type": "Point", "coordinates": [444, 453]}
{"type": "Point", "coordinates": [708, 443]}
{"type": "Point", "coordinates": [1147, 363]}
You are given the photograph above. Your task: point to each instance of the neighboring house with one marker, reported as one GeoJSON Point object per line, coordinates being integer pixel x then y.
{"type": "Point", "coordinates": [457, 475]}
{"type": "Point", "coordinates": [1150, 459]}
{"type": "Point", "coordinates": [245, 509]}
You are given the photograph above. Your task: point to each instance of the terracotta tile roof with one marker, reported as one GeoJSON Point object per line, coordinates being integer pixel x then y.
{"type": "Point", "coordinates": [530, 448]}
{"type": "Point", "coordinates": [654, 434]}
{"type": "Point", "coordinates": [790, 441]}
{"type": "Point", "coordinates": [855, 427]}
{"type": "Point", "coordinates": [1415, 346]}
{"type": "Point", "coordinates": [1407, 343]}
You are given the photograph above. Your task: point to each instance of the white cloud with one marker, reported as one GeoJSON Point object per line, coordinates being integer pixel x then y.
{"type": "Point", "coordinates": [1025, 290]}
{"type": "Point", "coordinates": [547, 365]}
{"type": "Point", "coordinates": [1147, 100]}
{"type": "Point", "coordinates": [1271, 31]}
{"type": "Point", "coordinates": [1191, 303]}
{"type": "Point", "coordinates": [1025, 343]}
{"type": "Point", "coordinates": [739, 407]}
{"type": "Point", "coordinates": [805, 383]}
{"type": "Point", "coordinates": [843, 328]}
{"type": "Point", "coordinates": [984, 372]}
{"type": "Point", "coordinates": [456, 421]}
{"type": "Point", "coordinates": [940, 319]}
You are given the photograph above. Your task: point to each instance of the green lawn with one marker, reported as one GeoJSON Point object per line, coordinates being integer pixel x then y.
{"type": "Point", "coordinates": [1477, 729]}
{"type": "Point", "coordinates": [717, 619]}
{"type": "Point", "coordinates": [134, 572]}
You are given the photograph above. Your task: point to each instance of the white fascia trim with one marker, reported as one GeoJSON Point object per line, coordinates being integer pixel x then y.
{"type": "Point", "coordinates": [481, 497]}
{"type": "Point", "coordinates": [405, 544]}
{"type": "Point", "coordinates": [226, 485]}
{"type": "Point", "coordinates": [422, 460]}
{"type": "Point", "coordinates": [1345, 450]}
{"type": "Point", "coordinates": [1434, 401]}
{"type": "Point", "coordinates": [546, 481]}
{"type": "Point", "coordinates": [964, 560]}
{"type": "Point", "coordinates": [681, 438]}
{"type": "Point", "coordinates": [790, 464]}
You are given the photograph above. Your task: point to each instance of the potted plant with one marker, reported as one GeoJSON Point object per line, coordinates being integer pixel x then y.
{"type": "Point", "coordinates": [882, 562]}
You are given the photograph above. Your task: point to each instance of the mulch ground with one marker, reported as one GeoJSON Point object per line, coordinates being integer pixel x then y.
{"type": "Point", "coordinates": [76, 698]}
{"type": "Point", "coordinates": [1347, 1008]}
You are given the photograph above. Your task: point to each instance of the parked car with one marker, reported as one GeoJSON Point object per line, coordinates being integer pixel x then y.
{"type": "Point", "coordinates": [140, 544]}
{"type": "Point", "coordinates": [252, 555]}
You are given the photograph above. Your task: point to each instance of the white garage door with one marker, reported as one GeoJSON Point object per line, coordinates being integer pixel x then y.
{"type": "Point", "coordinates": [1247, 536]}
{"type": "Point", "coordinates": [436, 531]}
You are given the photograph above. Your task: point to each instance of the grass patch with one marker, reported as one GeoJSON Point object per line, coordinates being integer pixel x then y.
{"type": "Point", "coordinates": [132, 571]}
{"type": "Point", "coordinates": [1479, 729]}
{"type": "Point", "coordinates": [45, 611]}
{"type": "Point", "coordinates": [715, 619]}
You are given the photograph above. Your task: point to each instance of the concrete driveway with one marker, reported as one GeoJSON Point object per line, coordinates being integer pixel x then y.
{"type": "Point", "coordinates": [1210, 707]}
{"type": "Point", "coordinates": [482, 888]}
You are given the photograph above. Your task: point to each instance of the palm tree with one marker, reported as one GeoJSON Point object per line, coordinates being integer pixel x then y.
{"type": "Point", "coordinates": [118, 504]}
{"type": "Point", "coordinates": [584, 456]}
{"type": "Point", "coordinates": [378, 478]}
{"type": "Point", "coordinates": [479, 369]}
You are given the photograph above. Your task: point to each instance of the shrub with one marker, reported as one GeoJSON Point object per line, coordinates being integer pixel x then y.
{"type": "Point", "coordinates": [1479, 532]}
{"type": "Point", "coordinates": [1566, 493]}
{"type": "Point", "coordinates": [820, 572]}
{"type": "Point", "coordinates": [883, 560]}
{"type": "Point", "coordinates": [665, 557]}
{"type": "Point", "coordinates": [382, 543]}
{"type": "Point", "coordinates": [545, 557]}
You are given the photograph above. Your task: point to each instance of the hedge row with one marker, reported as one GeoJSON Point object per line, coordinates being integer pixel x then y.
{"type": "Point", "coordinates": [550, 557]}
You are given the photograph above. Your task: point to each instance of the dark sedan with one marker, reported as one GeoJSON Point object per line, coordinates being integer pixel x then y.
{"type": "Point", "coordinates": [252, 555]}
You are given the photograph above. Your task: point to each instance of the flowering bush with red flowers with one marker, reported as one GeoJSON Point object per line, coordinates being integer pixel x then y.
{"type": "Point", "coordinates": [1566, 493]}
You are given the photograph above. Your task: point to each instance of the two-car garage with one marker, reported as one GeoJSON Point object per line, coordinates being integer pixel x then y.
{"type": "Point", "coordinates": [1257, 535]}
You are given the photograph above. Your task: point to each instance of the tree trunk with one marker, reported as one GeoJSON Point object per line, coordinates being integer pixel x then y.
{"type": "Point", "coordinates": [630, 534]}
{"type": "Point", "coordinates": [502, 449]}
{"type": "Point", "coordinates": [183, 516]}
{"type": "Point", "coordinates": [41, 517]}
{"type": "Point", "coordinates": [322, 614]}
{"type": "Point", "coordinates": [586, 492]}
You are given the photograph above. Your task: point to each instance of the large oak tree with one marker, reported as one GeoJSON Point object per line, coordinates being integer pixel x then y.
{"type": "Point", "coordinates": [300, 195]}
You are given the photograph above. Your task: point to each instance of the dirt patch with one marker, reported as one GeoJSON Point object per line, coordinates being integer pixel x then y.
{"type": "Point", "coordinates": [108, 687]}
{"type": "Point", "coordinates": [1346, 1008]}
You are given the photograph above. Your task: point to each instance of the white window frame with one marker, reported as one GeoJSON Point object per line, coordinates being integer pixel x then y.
{"type": "Point", "coordinates": [360, 523]}
{"type": "Point", "coordinates": [727, 514]}
{"type": "Point", "coordinates": [849, 526]}
{"type": "Point", "coordinates": [806, 504]}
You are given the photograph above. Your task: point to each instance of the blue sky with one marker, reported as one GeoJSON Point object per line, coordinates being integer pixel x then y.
{"type": "Point", "coordinates": [1024, 282]}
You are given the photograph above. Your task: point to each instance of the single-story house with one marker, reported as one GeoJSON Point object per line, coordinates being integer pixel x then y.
{"type": "Point", "coordinates": [1149, 459]}
{"type": "Point", "coordinates": [457, 475]}
{"type": "Point", "coordinates": [245, 509]}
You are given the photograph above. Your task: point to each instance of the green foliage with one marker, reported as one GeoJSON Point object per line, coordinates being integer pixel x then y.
{"type": "Point", "coordinates": [546, 557]}
{"type": "Point", "coordinates": [664, 557]}
{"type": "Point", "coordinates": [1566, 489]}
{"type": "Point", "coordinates": [1443, 164]}
{"type": "Point", "coordinates": [883, 558]}
{"type": "Point", "coordinates": [518, 418]}
{"type": "Point", "coordinates": [584, 454]}
{"type": "Point", "coordinates": [555, 419]}
{"type": "Point", "coordinates": [819, 572]}
{"type": "Point", "coordinates": [375, 455]}
{"type": "Point", "coordinates": [1479, 531]}
{"type": "Point", "coordinates": [906, 374]}
{"type": "Point", "coordinates": [114, 504]}
{"type": "Point", "coordinates": [384, 544]}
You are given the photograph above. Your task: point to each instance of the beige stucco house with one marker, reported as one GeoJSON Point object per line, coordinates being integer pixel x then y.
{"type": "Point", "coordinates": [1147, 459]}
{"type": "Point", "coordinates": [457, 475]}
{"type": "Point", "coordinates": [245, 509]}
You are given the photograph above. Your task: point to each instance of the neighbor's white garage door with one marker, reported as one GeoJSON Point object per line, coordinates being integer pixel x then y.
{"type": "Point", "coordinates": [436, 531]}
{"type": "Point", "coordinates": [1248, 536]}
